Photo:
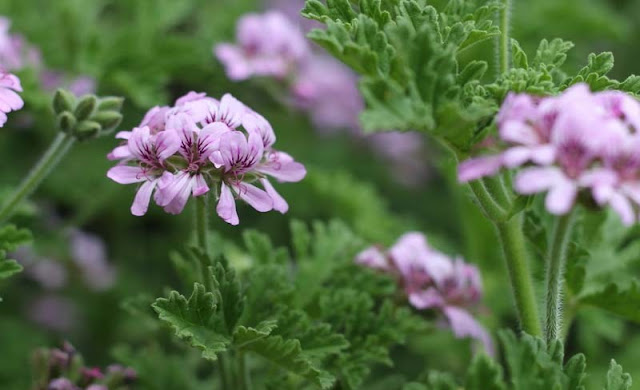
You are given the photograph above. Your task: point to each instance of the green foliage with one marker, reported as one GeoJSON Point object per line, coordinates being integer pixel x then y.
{"type": "Point", "coordinates": [409, 55]}
{"type": "Point", "coordinates": [528, 365]}
{"type": "Point", "coordinates": [196, 320]}
{"type": "Point", "coordinates": [328, 331]}
{"type": "Point", "coordinates": [10, 238]}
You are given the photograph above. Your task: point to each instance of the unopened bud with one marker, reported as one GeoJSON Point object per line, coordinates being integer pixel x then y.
{"type": "Point", "coordinates": [66, 122]}
{"type": "Point", "coordinates": [63, 100]}
{"type": "Point", "coordinates": [109, 120]}
{"type": "Point", "coordinates": [87, 129]}
{"type": "Point", "coordinates": [110, 103]}
{"type": "Point", "coordinates": [86, 107]}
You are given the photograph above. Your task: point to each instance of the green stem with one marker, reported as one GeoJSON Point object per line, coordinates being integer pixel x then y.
{"type": "Point", "coordinates": [515, 254]}
{"type": "Point", "coordinates": [243, 378]}
{"type": "Point", "coordinates": [556, 260]}
{"type": "Point", "coordinates": [202, 233]}
{"type": "Point", "coordinates": [492, 209]}
{"type": "Point", "coordinates": [223, 366]}
{"type": "Point", "coordinates": [504, 48]}
{"type": "Point", "coordinates": [58, 148]}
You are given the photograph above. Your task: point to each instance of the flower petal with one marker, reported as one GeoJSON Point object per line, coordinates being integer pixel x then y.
{"type": "Point", "coordinates": [279, 204]}
{"type": "Point", "coordinates": [478, 167]}
{"type": "Point", "coordinates": [254, 196]}
{"type": "Point", "coordinates": [124, 174]}
{"type": "Point", "coordinates": [226, 207]}
{"type": "Point", "coordinates": [143, 196]}
{"type": "Point", "coordinates": [464, 325]}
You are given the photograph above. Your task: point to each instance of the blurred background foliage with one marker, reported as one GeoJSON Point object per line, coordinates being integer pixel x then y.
{"type": "Point", "coordinates": [152, 51]}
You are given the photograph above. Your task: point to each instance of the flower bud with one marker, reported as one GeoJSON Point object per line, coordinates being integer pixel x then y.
{"type": "Point", "coordinates": [86, 107]}
{"type": "Point", "coordinates": [110, 103]}
{"type": "Point", "coordinates": [63, 100]}
{"type": "Point", "coordinates": [87, 129]}
{"type": "Point", "coordinates": [66, 122]}
{"type": "Point", "coordinates": [109, 120]}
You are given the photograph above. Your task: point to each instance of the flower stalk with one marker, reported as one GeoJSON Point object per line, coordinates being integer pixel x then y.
{"type": "Point", "coordinates": [515, 253]}
{"type": "Point", "coordinates": [556, 260]}
{"type": "Point", "coordinates": [58, 148]}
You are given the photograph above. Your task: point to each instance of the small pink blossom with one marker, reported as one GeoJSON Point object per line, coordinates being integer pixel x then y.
{"type": "Point", "coordinates": [432, 280]}
{"type": "Point", "coordinates": [198, 145]}
{"type": "Point", "coordinates": [267, 45]}
{"type": "Point", "coordinates": [575, 142]}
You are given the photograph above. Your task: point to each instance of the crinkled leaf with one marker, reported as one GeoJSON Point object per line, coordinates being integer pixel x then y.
{"type": "Point", "coordinates": [621, 300]}
{"type": "Point", "coordinates": [288, 355]}
{"type": "Point", "coordinates": [484, 374]}
{"type": "Point", "coordinates": [12, 237]}
{"type": "Point", "coordinates": [195, 320]}
{"type": "Point", "coordinates": [616, 378]}
{"type": "Point", "coordinates": [244, 336]}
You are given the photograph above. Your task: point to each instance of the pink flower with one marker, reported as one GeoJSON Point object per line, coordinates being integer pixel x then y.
{"type": "Point", "coordinates": [432, 280]}
{"type": "Point", "coordinates": [149, 152]}
{"type": "Point", "coordinates": [9, 99]}
{"type": "Point", "coordinates": [577, 141]}
{"type": "Point", "coordinates": [202, 143]}
{"type": "Point", "coordinates": [267, 45]}
{"type": "Point", "coordinates": [62, 384]}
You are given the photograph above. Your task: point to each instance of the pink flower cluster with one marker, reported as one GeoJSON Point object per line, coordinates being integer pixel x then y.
{"type": "Point", "coordinates": [576, 142]}
{"type": "Point", "coordinates": [201, 144]}
{"type": "Point", "coordinates": [432, 280]}
{"type": "Point", "coordinates": [272, 45]}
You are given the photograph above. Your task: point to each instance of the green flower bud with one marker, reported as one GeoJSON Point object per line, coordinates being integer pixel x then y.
{"type": "Point", "coordinates": [86, 107]}
{"type": "Point", "coordinates": [87, 129]}
{"type": "Point", "coordinates": [110, 103]}
{"type": "Point", "coordinates": [66, 122]}
{"type": "Point", "coordinates": [63, 100]}
{"type": "Point", "coordinates": [109, 120]}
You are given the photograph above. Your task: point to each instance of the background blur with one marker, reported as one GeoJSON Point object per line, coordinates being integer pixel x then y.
{"type": "Point", "coordinates": [90, 252]}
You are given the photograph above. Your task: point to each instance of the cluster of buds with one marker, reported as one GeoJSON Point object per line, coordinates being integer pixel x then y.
{"type": "Point", "coordinates": [199, 145]}
{"type": "Point", "coordinates": [432, 280]}
{"type": "Point", "coordinates": [577, 143]}
{"type": "Point", "coordinates": [88, 116]}
{"type": "Point", "coordinates": [64, 369]}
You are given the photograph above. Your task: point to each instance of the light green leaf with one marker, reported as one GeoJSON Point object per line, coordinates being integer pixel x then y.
{"type": "Point", "coordinates": [616, 378]}
{"type": "Point", "coordinates": [195, 320]}
{"type": "Point", "coordinates": [623, 301]}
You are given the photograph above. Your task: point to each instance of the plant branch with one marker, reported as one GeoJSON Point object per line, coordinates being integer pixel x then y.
{"type": "Point", "coordinates": [58, 148]}
{"type": "Point", "coordinates": [556, 260]}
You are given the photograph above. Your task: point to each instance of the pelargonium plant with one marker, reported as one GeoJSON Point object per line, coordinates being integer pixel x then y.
{"type": "Point", "coordinates": [548, 159]}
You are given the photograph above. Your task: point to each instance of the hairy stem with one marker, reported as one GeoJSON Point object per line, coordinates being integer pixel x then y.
{"type": "Point", "coordinates": [58, 148]}
{"type": "Point", "coordinates": [556, 260]}
{"type": "Point", "coordinates": [491, 208]}
{"type": "Point", "coordinates": [504, 49]}
{"type": "Point", "coordinates": [513, 246]}
{"type": "Point", "coordinates": [243, 378]}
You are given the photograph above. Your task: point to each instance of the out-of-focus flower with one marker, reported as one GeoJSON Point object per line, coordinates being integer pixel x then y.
{"type": "Point", "coordinates": [201, 144]}
{"type": "Point", "coordinates": [53, 79]}
{"type": "Point", "coordinates": [432, 280]}
{"type": "Point", "coordinates": [9, 99]}
{"type": "Point", "coordinates": [577, 141]}
{"type": "Point", "coordinates": [54, 312]}
{"type": "Point", "coordinates": [405, 153]}
{"type": "Point", "coordinates": [266, 45]}
{"type": "Point", "coordinates": [65, 369]}
{"type": "Point", "coordinates": [15, 52]}
{"type": "Point", "coordinates": [89, 253]}
{"type": "Point", "coordinates": [327, 90]}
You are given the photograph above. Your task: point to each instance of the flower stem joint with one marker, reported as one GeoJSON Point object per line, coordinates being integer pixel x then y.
{"type": "Point", "coordinates": [88, 116]}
